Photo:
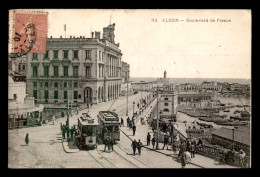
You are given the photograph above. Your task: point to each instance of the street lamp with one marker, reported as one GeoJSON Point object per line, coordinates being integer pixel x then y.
{"type": "Point", "coordinates": [133, 108]}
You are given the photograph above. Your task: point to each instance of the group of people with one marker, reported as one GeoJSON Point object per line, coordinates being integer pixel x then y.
{"type": "Point", "coordinates": [70, 132]}
{"type": "Point", "coordinates": [109, 142]}
{"type": "Point", "coordinates": [137, 145]}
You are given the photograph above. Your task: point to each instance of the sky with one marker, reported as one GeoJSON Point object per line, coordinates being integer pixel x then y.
{"type": "Point", "coordinates": [184, 49]}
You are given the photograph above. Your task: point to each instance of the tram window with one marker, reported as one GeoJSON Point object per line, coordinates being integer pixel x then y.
{"type": "Point", "coordinates": [116, 128]}
{"type": "Point", "coordinates": [110, 128]}
{"type": "Point", "coordinates": [84, 129]}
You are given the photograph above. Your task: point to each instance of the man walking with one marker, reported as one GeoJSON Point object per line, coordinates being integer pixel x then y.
{"type": "Point", "coordinates": [106, 142]}
{"type": "Point", "coordinates": [27, 139]}
{"type": "Point", "coordinates": [153, 141]}
{"type": "Point", "coordinates": [122, 122]}
{"type": "Point", "coordinates": [134, 129]}
{"type": "Point", "coordinates": [111, 143]}
{"type": "Point", "coordinates": [139, 146]}
{"type": "Point", "coordinates": [148, 139]}
{"type": "Point", "coordinates": [134, 146]}
{"type": "Point", "coordinates": [183, 160]}
{"type": "Point", "coordinates": [165, 141]}
{"type": "Point", "coordinates": [128, 120]}
{"type": "Point", "coordinates": [192, 149]}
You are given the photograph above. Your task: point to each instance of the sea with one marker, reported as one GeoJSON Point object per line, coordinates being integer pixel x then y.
{"type": "Point", "coordinates": [193, 80]}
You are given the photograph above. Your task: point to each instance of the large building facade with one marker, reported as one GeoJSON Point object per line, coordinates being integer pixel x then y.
{"type": "Point", "coordinates": [76, 70]}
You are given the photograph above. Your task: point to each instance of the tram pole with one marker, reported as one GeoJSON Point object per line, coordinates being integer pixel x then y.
{"type": "Point", "coordinates": [126, 97]}
{"type": "Point", "coordinates": [157, 124]}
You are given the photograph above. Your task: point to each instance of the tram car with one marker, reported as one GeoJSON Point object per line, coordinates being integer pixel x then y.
{"type": "Point", "coordinates": [87, 132]}
{"type": "Point", "coordinates": [109, 125]}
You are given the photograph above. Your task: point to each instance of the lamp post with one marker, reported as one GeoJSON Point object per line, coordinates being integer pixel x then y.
{"type": "Point", "coordinates": [133, 108]}
{"type": "Point", "coordinates": [157, 125]}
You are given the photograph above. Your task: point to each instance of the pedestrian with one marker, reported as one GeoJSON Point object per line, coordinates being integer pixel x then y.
{"type": "Point", "coordinates": [60, 126]}
{"type": "Point", "coordinates": [130, 124]}
{"type": "Point", "coordinates": [134, 146]}
{"type": "Point", "coordinates": [27, 139]}
{"type": "Point", "coordinates": [53, 120]}
{"type": "Point", "coordinates": [139, 146]}
{"type": "Point", "coordinates": [188, 145]}
{"type": "Point", "coordinates": [122, 122]}
{"type": "Point", "coordinates": [192, 148]}
{"type": "Point", "coordinates": [134, 129]}
{"type": "Point", "coordinates": [128, 120]}
{"type": "Point", "coordinates": [148, 139]}
{"type": "Point", "coordinates": [165, 141]}
{"type": "Point", "coordinates": [90, 105]}
{"type": "Point", "coordinates": [87, 106]}
{"type": "Point", "coordinates": [111, 144]}
{"type": "Point", "coordinates": [183, 160]}
{"type": "Point", "coordinates": [63, 131]}
{"type": "Point", "coordinates": [153, 142]}
{"type": "Point", "coordinates": [199, 142]}
{"type": "Point", "coordinates": [106, 142]}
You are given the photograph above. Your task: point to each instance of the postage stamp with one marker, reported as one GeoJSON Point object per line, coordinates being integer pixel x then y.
{"type": "Point", "coordinates": [29, 33]}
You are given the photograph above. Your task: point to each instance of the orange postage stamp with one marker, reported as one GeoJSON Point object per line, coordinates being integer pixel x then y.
{"type": "Point", "coordinates": [30, 33]}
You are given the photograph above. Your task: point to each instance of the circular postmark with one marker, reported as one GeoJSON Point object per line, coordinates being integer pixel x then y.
{"type": "Point", "coordinates": [23, 40]}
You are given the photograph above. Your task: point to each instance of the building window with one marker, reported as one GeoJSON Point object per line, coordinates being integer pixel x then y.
{"type": "Point", "coordinates": [19, 67]}
{"type": "Point", "coordinates": [46, 84]}
{"type": "Point", "coordinates": [56, 94]}
{"type": "Point", "coordinates": [35, 94]}
{"type": "Point", "coordinates": [35, 55]}
{"type": "Point", "coordinates": [56, 71]}
{"type": "Point", "coordinates": [35, 84]}
{"type": "Point", "coordinates": [75, 84]}
{"type": "Point", "coordinates": [23, 67]}
{"type": "Point", "coordinates": [166, 104]}
{"type": "Point", "coordinates": [99, 55]}
{"type": "Point", "coordinates": [88, 54]}
{"type": "Point", "coordinates": [35, 71]}
{"type": "Point", "coordinates": [76, 52]}
{"type": "Point", "coordinates": [75, 71]}
{"type": "Point", "coordinates": [75, 94]}
{"type": "Point", "coordinates": [46, 54]}
{"type": "Point", "coordinates": [46, 71]}
{"type": "Point", "coordinates": [65, 95]}
{"type": "Point", "coordinates": [65, 70]}
{"type": "Point", "coordinates": [88, 71]}
{"type": "Point", "coordinates": [79, 96]}
{"type": "Point", "coordinates": [56, 52]}
{"type": "Point", "coordinates": [56, 84]}
{"type": "Point", "coordinates": [166, 99]}
{"type": "Point", "coordinates": [65, 84]}
{"type": "Point", "coordinates": [46, 94]}
{"type": "Point", "coordinates": [65, 54]}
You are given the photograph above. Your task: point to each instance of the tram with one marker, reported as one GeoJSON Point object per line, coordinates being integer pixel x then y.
{"type": "Point", "coordinates": [109, 125]}
{"type": "Point", "coordinates": [87, 132]}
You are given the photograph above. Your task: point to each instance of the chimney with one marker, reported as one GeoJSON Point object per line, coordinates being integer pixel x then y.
{"type": "Point", "coordinates": [73, 36]}
{"type": "Point", "coordinates": [70, 36]}
{"type": "Point", "coordinates": [51, 37]}
{"type": "Point", "coordinates": [80, 36]}
{"type": "Point", "coordinates": [83, 37]}
{"type": "Point", "coordinates": [92, 33]}
{"type": "Point", "coordinates": [97, 35]}
{"type": "Point", "coordinates": [60, 36]}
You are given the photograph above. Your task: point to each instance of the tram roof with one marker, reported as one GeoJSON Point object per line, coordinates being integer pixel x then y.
{"type": "Point", "coordinates": [85, 119]}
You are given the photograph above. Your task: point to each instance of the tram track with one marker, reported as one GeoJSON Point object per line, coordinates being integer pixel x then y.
{"type": "Point", "coordinates": [126, 159]}
{"type": "Point", "coordinates": [95, 159]}
{"type": "Point", "coordinates": [133, 157]}
{"type": "Point", "coordinates": [106, 159]}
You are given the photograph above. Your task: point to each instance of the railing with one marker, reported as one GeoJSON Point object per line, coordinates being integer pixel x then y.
{"type": "Point", "coordinates": [215, 153]}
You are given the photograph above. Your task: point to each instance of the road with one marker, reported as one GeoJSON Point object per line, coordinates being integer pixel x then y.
{"type": "Point", "coordinates": [45, 149]}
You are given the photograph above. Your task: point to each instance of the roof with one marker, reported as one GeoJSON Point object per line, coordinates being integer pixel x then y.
{"type": "Point", "coordinates": [241, 134]}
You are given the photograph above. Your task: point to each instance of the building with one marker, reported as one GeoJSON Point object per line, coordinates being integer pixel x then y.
{"type": "Point", "coordinates": [125, 71]}
{"type": "Point", "coordinates": [212, 86]}
{"type": "Point", "coordinates": [225, 137]}
{"type": "Point", "coordinates": [18, 68]}
{"type": "Point", "coordinates": [194, 99]}
{"type": "Point", "coordinates": [189, 87]}
{"type": "Point", "coordinates": [21, 108]}
{"type": "Point", "coordinates": [76, 70]}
